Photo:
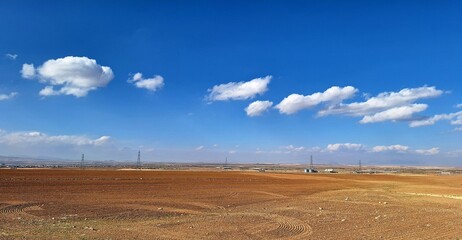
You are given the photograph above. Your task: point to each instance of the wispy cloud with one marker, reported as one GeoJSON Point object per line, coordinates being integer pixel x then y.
{"type": "Point", "coordinates": [11, 56]}
{"type": "Point", "coordinates": [296, 102]}
{"type": "Point", "coordinates": [35, 137]}
{"type": "Point", "coordinates": [257, 108]}
{"type": "Point", "coordinates": [239, 90]}
{"type": "Point", "coordinates": [71, 75]}
{"type": "Point", "coordinates": [151, 84]}
{"type": "Point", "coordinates": [431, 151]}
{"type": "Point", "coordinates": [455, 118]}
{"type": "Point", "coordinates": [8, 96]}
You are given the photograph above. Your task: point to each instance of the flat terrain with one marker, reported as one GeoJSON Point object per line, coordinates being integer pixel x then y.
{"type": "Point", "coordinates": [115, 204]}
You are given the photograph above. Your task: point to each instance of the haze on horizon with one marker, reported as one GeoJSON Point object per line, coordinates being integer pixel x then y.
{"type": "Point", "coordinates": [257, 82]}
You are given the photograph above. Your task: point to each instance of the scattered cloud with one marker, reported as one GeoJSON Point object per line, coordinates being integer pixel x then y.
{"type": "Point", "coordinates": [72, 75]}
{"type": "Point", "coordinates": [8, 96]}
{"type": "Point", "coordinates": [11, 56]}
{"type": "Point", "coordinates": [296, 102]}
{"type": "Point", "coordinates": [257, 108]}
{"type": "Point", "coordinates": [200, 148]}
{"type": "Point", "coordinates": [34, 137]}
{"type": "Point", "coordinates": [391, 148]}
{"type": "Point", "coordinates": [395, 114]}
{"type": "Point", "coordinates": [151, 84]}
{"type": "Point", "coordinates": [455, 118]}
{"type": "Point", "coordinates": [386, 106]}
{"type": "Point", "coordinates": [431, 151]}
{"type": "Point", "coordinates": [458, 129]}
{"type": "Point", "coordinates": [459, 105]}
{"type": "Point", "coordinates": [28, 71]}
{"type": "Point", "coordinates": [345, 147]}
{"type": "Point", "coordinates": [239, 90]}
{"type": "Point", "coordinates": [292, 148]}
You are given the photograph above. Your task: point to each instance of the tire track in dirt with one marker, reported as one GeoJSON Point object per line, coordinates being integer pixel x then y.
{"type": "Point", "coordinates": [287, 227]}
{"type": "Point", "coordinates": [17, 208]}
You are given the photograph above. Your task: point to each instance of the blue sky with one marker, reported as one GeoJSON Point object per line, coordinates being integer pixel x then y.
{"type": "Point", "coordinates": [342, 80]}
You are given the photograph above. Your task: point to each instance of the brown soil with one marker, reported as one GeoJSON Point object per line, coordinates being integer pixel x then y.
{"type": "Point", "coordinates": [112, 204]}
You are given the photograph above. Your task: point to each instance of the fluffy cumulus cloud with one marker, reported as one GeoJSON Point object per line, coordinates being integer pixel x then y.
{"type": "Point", "coordinates": [151, 84]}
{"type": "Point", "coordinates": [345, 147]}
{"type": "Point", "coordinates": [200, 148]}
{"type": "Point", "coordinates": [34, 137]}
{"type": "Point", "coordinates": [28, 71]}
{"type": "Point", "coordinates": [455, 118]}
{"type": "Point", "coordinates": [70, 75]}
{"type": "Point", "coordinates": [296, 102]}
{"type": "Point", "coordinates": [257, 108]}
{"type": "Point", "coordinates": [239, 90]}
{"type": "Point", "coordinates": [431, 151]}
{"type": "Point", "coordinates": [391, 148]}
{"type": "Point", "coordinates": [395, 114]}
{"type": "Point", "coordinates": [386, 106]}
{"type": "Point", "coordinates": [7, 96]}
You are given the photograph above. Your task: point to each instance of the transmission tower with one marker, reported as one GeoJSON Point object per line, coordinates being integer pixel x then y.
{"type": "Point", "coordinates": [138, 162]}
{"type": "Point", "coordinates": [360, 165]}
{"type": "Point", "coordinates": [311, 162]}
{"type": "Point", "coordinates": [82, 161]}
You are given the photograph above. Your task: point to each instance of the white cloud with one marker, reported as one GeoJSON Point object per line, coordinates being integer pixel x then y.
{"type": "Point", "coordinates": [72, 75]}
{"type": "Point", "coordinates": [8, 96]}
{"type": "Point", "coordinates": [431, 151]}
{"type": "Point", "coordinates": [345, 147]}
{"type": "Point", "coordinates": [151, 84]}
{"type": "Point", "coordinates": [239, 90]}
{"type": "Point", "coordinates": [459, 105]}
{"type": "Point", "coordinates": [11, 56]}
{"type": "Point", "coordinates": [391, 148]}
{"type": "Point", "coordinates": [386, 106]}
{"type": "Point", "coordinates": [28, 71]}
{"type": "Point", "coordinates": [257, 108]}
{"type": "Point", "coordinates": [296, 102]}
{"type": "Point", "coordinates": [34, 137]}
{"type": "Point", "coordinates": [395, 114]}
{"type": "Point", "coordinates": [292, 148]}
{"type": "Point", "coordinates": [199, 148]}
{"type": "Point", "coordinates": [458, 129]}
{"type": "Point", "coordinates": [456, 119]}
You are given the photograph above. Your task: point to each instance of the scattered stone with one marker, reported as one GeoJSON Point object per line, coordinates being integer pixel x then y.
{"type": "Point", "coordinates": [385, 203]}
{"type": "Point", "coordinates": [343, 220]}
{"type": "Point", "coordinates": [320, 208]}
{"type": "Point", "coordinates": [160, 208]}
{"type": "Point", "coordinates": [346, 199]}
{"type": "Point", "coordinates": [428, 225]}
{"type": "Point", "coordinates": [377, 217]}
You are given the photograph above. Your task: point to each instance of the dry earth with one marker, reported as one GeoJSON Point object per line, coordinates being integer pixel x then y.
{"type": "Point", "coordinates": [112, 204]}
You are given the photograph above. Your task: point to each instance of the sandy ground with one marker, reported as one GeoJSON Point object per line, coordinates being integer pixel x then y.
{"type": "Point", "coordinates": [111, 204]}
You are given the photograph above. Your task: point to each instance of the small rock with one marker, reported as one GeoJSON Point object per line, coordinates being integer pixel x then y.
{"type": "Point", "coordinates": [343, 220]}
{"type": "Point", "coordinates": [346, 199]}
{"type": "Point", "coordinates": [320, 208]}
{"type": "Point", "coordinates": [160, 208]}
{"type": "Point", "coordinates": [377, 217]}
{"type": "Point", "coordinates": [385, 203]}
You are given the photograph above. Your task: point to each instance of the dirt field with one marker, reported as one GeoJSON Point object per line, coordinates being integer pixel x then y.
{"type": "Point", "coordinates": [112, 204]}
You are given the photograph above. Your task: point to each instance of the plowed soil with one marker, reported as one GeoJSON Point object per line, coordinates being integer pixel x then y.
{"type": "Point", "coordinates": [114, 204]}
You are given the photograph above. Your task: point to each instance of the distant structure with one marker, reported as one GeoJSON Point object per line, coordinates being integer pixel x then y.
{"type": "Point", "coordinates": [82, 161]}
{"type": "Point", "coordinates": [359, 167]}
{"type": "Point", "coordinates": [138, 161]}
{"type": "Point", "coordinates": [311, 169]}
{"type": "Point", "coordinates": [225, 167]}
